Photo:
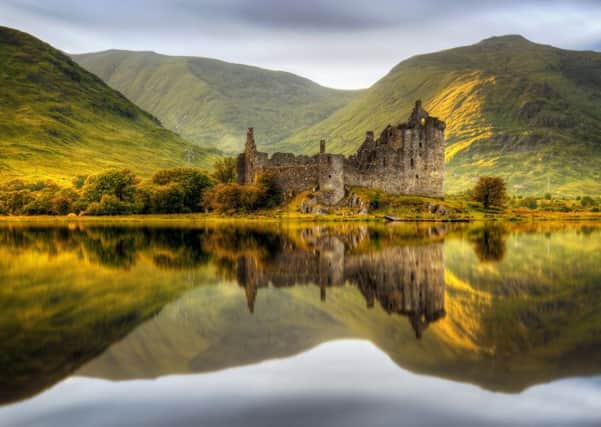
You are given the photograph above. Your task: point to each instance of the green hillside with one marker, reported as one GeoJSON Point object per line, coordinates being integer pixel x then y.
{"type": "Point", "coordinates": [212, 102]}
{"type": "Point", "coordinates": [57, 120]}
{"type": "Point", "coordinates": [528, 112]}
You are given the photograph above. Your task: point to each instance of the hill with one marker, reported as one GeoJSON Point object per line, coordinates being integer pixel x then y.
{"type": "Point", "coordinates": [58, 120]}
{"type": "Point", "coordinates": [212, 102]}
{"type": "Point", "coordinates": [528, 112]}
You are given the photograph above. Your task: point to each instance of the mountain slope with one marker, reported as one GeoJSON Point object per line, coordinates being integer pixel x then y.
{"type": "Point", "coordinates": [212, 102]}
{"type": "Point", "coordinates": [57, 120]}
{"type": "Point", "coordinates": [528, 112]}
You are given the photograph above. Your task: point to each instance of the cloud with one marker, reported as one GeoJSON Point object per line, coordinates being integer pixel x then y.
{"type": "Point", "coordinates": [346, 44]}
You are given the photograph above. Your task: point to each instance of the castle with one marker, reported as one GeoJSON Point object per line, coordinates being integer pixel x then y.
{"type": "Point", "coordinates": [405, 159]}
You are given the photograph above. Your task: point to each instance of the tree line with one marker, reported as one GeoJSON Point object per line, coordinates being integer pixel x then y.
{"type": "Point", "coordinates": [121, 192]}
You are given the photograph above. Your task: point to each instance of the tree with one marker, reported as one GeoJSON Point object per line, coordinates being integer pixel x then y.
{"type": "Point", "coordinates": [79, 181]}
{"type": "Point", "coordinates": [490, 191]}
{"type": "Point", "coordinates": [224, 170]}
{"type": "Point", "coordinates": [587, 201]}
{"type": "Point", "coordinates": [109, 205]}
{"type": "Point", "coordinates": [270, 193]}
{"type": "Point", "coordinates": [530, 202]}
{"type": "Point", "coordinates": [118, 183]}
{"type": "Point", "coordinates": [167, 199]}
{"type": "Point", "coordinates": [192, 183]}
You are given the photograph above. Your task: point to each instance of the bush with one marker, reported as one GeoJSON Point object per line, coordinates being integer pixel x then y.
{"type": "Point", "coordinates": [191, 182]}
{"type": "Point", "coordinates": [490, 191]}
{"type": "Point", "coordinates": [120, 184]}
{"type": "Point", "coordinates": [109, 205]}
{"type": "Point", "coordinates": [587, 201]}
{"type": "Point", "coordinates": [234, 198]}
{"type": "Point", "coordinates": [167, 199]}
{"type": "Point", "coordinates": [61, 204]}
{"type": "Point", "coordinates": [269, 192]}
{"type": "Point", "coordinates": [529, 202]}
{"type": "Point", "coordinates": [224, 170]}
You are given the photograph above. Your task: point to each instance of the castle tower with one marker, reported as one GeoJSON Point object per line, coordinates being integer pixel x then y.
{"type": "Point", "coordinates": [246, 161]}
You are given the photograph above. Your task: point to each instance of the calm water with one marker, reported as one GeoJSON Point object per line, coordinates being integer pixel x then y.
{"type": "Point", "coordinates": [300, 325]}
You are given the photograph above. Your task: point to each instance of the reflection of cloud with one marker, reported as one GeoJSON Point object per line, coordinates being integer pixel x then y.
{"type": "Point", "coordinates": [341, 383]}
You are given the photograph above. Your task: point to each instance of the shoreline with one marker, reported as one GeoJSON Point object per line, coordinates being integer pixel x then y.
{"type": "Point", "coordinates": [508, 217]}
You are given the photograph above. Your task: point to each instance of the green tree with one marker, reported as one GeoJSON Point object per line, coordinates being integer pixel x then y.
{"type": "Point", "coordinates": [270, 193]}
{"type": "Point", "coordinates": [167, 199]}
{"type": "Point", "coordinates": [192, 183]}
{"type": "Point", "coordinates": [109, 205]}
{"type": "Point", "coordinates": [224, 170]}
{"type": "Point", "coordinates": [120, 184]}
{"type": "Point", "coordinates": [587, 201]}
{"type": "Point", "coordinates": [530, 203]}
{"type": "Point", "coordinates": [490, 191]}
{"type": "Point", "coordinates": [79, 181]}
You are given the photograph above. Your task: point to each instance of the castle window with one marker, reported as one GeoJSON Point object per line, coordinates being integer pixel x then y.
{"type": "Point", "coordinates": [422, 121]}
{"type": "Point", "coordinates": [420, 145]}
{"type": "Point", "coordinates": [416, 176]}
{"type": "Point", "coordinates": [330, 176]}
{"type": "Point", "coordinates": [412, 163]}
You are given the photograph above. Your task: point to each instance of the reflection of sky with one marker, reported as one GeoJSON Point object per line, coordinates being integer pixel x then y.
{"type": "Point", "coordinates": [341, 383]}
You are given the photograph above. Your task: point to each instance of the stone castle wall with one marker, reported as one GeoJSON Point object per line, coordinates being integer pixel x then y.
{"type": "Point", "coordinates": [405, 159]}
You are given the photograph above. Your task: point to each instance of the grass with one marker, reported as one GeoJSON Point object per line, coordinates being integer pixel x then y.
{"type": "Point", "coordinates": [59, 121]}
{"type": "Point", "coordinates": [527, 112]}
{"type": "Point", "coordinates": [212, 102]}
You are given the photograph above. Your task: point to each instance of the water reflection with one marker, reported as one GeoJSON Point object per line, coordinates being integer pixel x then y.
{"type": "Point", "coordinates": [505, 307]}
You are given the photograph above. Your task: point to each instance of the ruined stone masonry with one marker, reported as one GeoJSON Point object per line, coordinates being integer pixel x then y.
{"type": "Point", "coordinates": [405, 159]}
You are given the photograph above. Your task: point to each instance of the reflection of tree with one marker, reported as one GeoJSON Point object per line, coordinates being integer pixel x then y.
{"type": "Point", "coordinates": [115, 247]}
{"type": "Point", "coordinates": [489, 243]}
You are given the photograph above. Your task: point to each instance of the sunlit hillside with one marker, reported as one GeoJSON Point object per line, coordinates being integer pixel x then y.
{"type": "Point", "coordinates": [528, 112]}
{"type": "Point", "coordinates": [57, 120]}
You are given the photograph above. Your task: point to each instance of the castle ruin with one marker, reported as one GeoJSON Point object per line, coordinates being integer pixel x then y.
{"type": "Point", "coordinates": [406, 159]}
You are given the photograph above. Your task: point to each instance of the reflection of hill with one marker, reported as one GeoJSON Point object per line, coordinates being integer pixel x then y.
{"type": "Point", "coordinates": [493, 335]}
{"type": "Point", "coordinates": [68, 294]}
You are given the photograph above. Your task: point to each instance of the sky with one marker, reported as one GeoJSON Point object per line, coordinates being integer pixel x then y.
{"type": "Point", "coordinates": [338, 43]}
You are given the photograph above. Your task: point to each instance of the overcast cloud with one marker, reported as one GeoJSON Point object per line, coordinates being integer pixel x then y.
{"type": "Point", "coordinates": [345, 44]}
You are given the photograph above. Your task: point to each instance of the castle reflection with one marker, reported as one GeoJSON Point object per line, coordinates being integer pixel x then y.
{"type": "Point", "coordinates": [406, 280]}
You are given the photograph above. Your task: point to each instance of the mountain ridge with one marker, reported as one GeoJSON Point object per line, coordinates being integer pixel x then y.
{"type": "Point", "coordinates": [210, 101]}
{"type": "Point", "coordinates": [507, 102]}
{"type": "Point", "coordinates": [62, 121]}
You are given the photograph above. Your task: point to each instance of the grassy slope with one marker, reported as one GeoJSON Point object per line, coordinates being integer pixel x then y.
{"type": "Point", "coordinates": [527, 112]}
{"type": "Point", "coordinates": [212, 102]}
{"type": "Point", "coordinates": [58, 120]}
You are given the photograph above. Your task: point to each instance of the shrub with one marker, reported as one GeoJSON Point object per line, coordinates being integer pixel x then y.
{"type": "Point", "coordinates": [587, 201]}
{"type": "Point", "coordinates": [224, 170]}
{"type": "Point", "coordinates": [167, 199]}
{"type": "Point", "coordinates": [490, 191]}
{"type": "Point", "coordinates": [118, 183]}
{"type": "Point", "coordinates": [234, 198]}
{"type": "Point", "coordinates": [529, 202]}
{"type": "Point", "coordinates": [191, 182]}
{"type": "Point", "coordinates": [61, 204]}
{"type": "Point", "coordinates": [269, 192]}
{"type": "Point", "coordinates": [109, 205]}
